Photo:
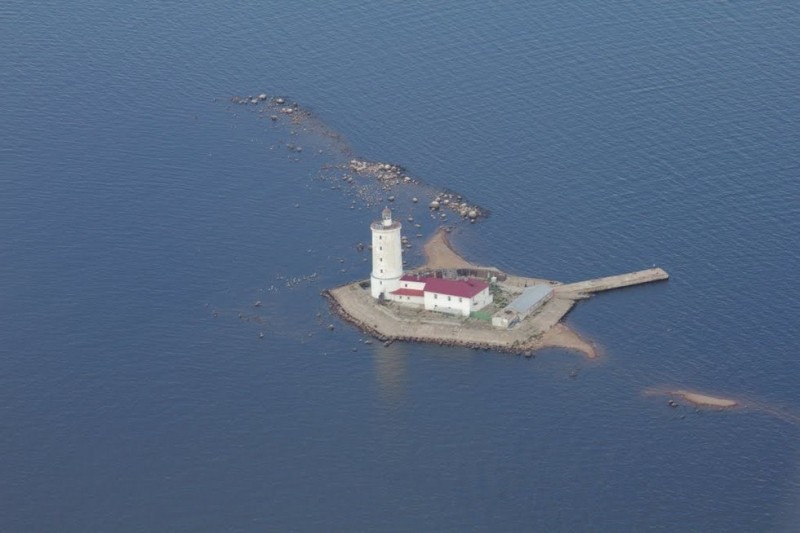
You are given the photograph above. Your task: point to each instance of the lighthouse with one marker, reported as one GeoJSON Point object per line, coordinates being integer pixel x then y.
{"type": "Point", "coordinates": [387, 255]}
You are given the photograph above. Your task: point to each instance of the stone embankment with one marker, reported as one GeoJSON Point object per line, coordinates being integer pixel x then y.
{"type": "Point", "coordinates": [405, 331]}
{"type": "Point", "coordinates": [390, 322]}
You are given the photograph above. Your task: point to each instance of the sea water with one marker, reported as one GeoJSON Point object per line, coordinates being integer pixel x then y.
{"type": "Point", "coordinates": [165, 357]}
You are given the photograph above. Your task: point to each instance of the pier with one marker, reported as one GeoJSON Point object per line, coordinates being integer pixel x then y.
{"type": "Point", "coordinates": [612, 282]}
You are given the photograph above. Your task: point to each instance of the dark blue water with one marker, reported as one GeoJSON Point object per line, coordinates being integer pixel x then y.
{"type": "Point", "coordinates": [142, 214]}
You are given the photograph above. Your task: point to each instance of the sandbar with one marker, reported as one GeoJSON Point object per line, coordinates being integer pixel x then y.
{"type": "Point", "coordinates": [695, 398]}
{"type": "Point", "coordinates": [704, 400]}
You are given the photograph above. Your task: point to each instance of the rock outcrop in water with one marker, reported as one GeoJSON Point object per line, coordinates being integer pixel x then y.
{"type": "Point", "coordinates": [374, 181]}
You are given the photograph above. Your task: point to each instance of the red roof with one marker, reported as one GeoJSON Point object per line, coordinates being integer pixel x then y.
{"type": "Point", "coordinates": [451, 287]}
{"type": "Point", "coordinates": [408, 292]}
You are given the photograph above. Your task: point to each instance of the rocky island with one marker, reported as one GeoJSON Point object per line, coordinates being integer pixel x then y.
{"type": "Point", "coordinates": [450, 301]}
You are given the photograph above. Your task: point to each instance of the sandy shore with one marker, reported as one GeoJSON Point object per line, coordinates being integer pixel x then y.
{"type": "Point", "coordinates": [561, 336]}
{"type": "Point", "coordinates": [439, 253]}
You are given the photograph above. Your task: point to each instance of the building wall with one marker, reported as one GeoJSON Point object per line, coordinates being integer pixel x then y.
{"type": "Point", "coordinates": [415, 285]}
{"type": "Point", "coordinates": [482, 299]}
{"type": "Point", "coordinates": [387, 258]}
{"type": "Point", "coordinates": [503, 320]}
{"type": "Point", "coordinates": [455, 305]}
{"type": "Point", "coordinates": [413, 301]}
{"type": "Point", "coordinates": [442, 303]}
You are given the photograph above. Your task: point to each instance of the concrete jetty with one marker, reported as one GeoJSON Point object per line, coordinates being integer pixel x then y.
{"type": "Point", "coordinates": [612, 282]}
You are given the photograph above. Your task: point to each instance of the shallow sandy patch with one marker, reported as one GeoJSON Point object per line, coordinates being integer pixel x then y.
{"type": "Point", "coordinates": [695, 398]}
{"type": "Point", "coordinates": [561, 336]}
{"type": "Point", "coordinates": [440, 254]}
{"type": "Point", "coordinates": [705, 400]}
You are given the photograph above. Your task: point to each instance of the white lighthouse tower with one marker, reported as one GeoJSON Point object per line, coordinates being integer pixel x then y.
{"type": "Point", "coordinates": [387, 255]}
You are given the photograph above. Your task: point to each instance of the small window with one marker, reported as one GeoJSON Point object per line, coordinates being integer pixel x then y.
{"type": "Point", "coordinates": [381, 273]}
{"type": "Point", "coordinates": [448, 298]}
{"type": "Point", "coordinates": [435, 296]}
{"type": "Point", "coordinates": [380, 259]}
{"type": "Point", "coordinates": [460, 300]}
{"type": "Point", "coordinates": [380, 248]}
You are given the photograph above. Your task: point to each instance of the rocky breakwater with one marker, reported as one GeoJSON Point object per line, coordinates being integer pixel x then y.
{"type": "Point", "coordinates": [387, 174]}
{"type": "Point", "coordinates": [391, 175]}
{"type": "Point", "coordinates": [275, 104]}
{"type": "Point", "coordinates": [455, 202]}
{"type": "Point", "coordinates": [375, 182]}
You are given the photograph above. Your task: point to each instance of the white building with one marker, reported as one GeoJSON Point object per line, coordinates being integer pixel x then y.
{"type": "Point", "coordinates": [453, 296]}
{"type": "Point", "coordinates": [387, 255]}
{"type": "Point", "coordinates": [458, 297]}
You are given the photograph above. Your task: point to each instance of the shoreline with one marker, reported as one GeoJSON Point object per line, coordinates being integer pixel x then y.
{"type": "Point", "coordinates": [440, 253]}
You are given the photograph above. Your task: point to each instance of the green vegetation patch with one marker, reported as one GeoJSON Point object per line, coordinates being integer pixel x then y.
{"type": "Point", "coordinates": [500, 297]}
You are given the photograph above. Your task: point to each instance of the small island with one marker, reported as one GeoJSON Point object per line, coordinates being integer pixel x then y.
{"type": "Point", "coordinates": [450, 301]}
